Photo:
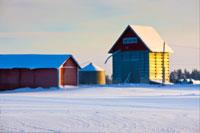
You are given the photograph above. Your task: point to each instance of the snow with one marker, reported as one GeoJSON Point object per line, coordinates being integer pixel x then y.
{"type": "Point", "coordinates": [151, 38]}
{"type": "Point", "coordinates": [32, 61]}
{"type": "Point", "coordinates": [113, 108]}
{"type": "Point", "coordinates": [195, 81]}
{"type": "Point", "coordinates": [91, 67]}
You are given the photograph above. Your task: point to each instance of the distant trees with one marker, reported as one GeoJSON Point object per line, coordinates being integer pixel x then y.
{"type": "Point", "coordinates": [176, 75]}
{"type": "Point", "coordinates": [195, 74]}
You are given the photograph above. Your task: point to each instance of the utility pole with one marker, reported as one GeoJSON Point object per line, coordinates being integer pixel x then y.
{"type": "Point", "coordinates": [163, 65]}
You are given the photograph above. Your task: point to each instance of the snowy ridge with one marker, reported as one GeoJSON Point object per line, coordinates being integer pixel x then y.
{"type": "Point", "coordinates": [151, 38]}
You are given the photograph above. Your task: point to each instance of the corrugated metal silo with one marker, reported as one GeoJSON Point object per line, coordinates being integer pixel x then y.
{"type": "Point", "coordinates": [91, 74]}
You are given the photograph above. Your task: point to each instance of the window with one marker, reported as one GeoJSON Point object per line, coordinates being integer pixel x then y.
{"type": "Point", "coordinates": [130, 40]}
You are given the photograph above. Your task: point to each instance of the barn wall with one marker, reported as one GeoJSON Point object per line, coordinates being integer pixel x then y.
{"type": "Point", "coordinates": [131, 67]}
{"type": "Point", "coordinates": [9, 78]}
{"type": "Point", "coordinates": [3, 79]}
{"type": "Point", "coordinates": [139, 46]}
{"type": "Point", "coordinates": [18, 78]}
{"type": "Point", "coordinates": [69, 73]}
{"type": "Point", "coordinates": [68, 76]}
{"type": "Point", "coordinates": [156, 65]}
{"type": "Point", "coordinates": [70, 62]}
{"type": "Point", "coordinates": [26, 78]}
{"type": "Point", "coordinates": [92, 77]}
{"type": "Point", "coordinates": [45, 77]}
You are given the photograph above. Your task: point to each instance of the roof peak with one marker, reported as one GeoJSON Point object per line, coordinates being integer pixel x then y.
{"type": "Point", "coordinates": [91, 67]}
{"type": "Point", "coordinates": [133, 25]}
{"type": "Point", "coordinates": [149, 36]}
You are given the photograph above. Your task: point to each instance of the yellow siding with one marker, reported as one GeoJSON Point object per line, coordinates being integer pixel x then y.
{"type": "Point", "coordinates": [101, 78]}
{"type": "Point", "coordinates": [156, 64]}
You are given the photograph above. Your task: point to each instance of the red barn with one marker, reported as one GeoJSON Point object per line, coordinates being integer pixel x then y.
{"type": "Point", "coordinates": [36, 70]}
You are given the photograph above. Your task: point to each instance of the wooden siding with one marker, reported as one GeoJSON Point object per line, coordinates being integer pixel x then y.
{"type": "Point", "coordinates": [9, 79]}
{"type": "Point", "coordinates": [131, 67]}
{"type": "Point", "coordinates": [69, 73]}
{"type": "Point", "coordinates": [17, 78]}
{"type": "Point", "coordinates": [156, 65]}
{"type": "Point", "coordinates": [46, 77]}
{"type": "Point", "coordinates": [27, 78]}
{"type": "Point", "coordinates": [139, 46]}
{"type": "Point", "coordinates": [93, 77]}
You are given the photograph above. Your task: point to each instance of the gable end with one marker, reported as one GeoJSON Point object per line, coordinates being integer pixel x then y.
{"type": "Point", "coordinates": [128, 41]}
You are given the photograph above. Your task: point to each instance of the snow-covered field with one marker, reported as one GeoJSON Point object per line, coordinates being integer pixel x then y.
{"type": "Point", "coordinates": [116, 108]}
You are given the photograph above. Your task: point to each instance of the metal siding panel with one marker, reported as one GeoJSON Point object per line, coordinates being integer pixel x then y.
{"type": "Point", "coordinates": [69, 73]}
{"type": "Point", "coordinates": [117, 68]}
{"type": "Point", "coordinates": [132, 66]}
{"type": "Point", "coordinates": [45, 78]}
{"type": "Point", "coordinates": [93, 77]}
{"type": "Point", "coordinates": [26, 78]}
{"type": "Point", "coordinates": [138, 66]}
{"type": "Point", "coordinates": [10, 79]}
{"type": "Point", "coordinates": [156, 60]}
{"type": "Point", "coordinates": [70, 76]}
{"type": "Point", "coordinates": [145, 67]}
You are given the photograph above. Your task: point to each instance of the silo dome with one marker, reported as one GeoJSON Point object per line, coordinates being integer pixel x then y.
{"type": "Point", "coordinates": [92, 74]}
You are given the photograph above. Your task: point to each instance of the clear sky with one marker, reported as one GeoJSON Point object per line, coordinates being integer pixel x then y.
{"type": "Point", "coordinates": [88, 28]}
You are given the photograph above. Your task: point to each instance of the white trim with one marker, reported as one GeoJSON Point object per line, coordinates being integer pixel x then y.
{"type": "Point", "coordinates": [59, 76]}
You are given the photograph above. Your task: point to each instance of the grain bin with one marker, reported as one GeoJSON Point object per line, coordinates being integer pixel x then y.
{"type": "Point", "coordinates": [91, 74]}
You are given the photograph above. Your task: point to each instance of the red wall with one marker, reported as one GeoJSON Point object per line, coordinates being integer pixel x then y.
{"type": "Point", "coordinates": [9, 78]}
{"type": "Point", "coordinates": [26, 78]}
{"type": "Point", "coordinates": [18, 78]}
{"type": "Point", "coordinates": [130, 47]}
{"type": "Point", "coordinates": [69, 72]}
{"type": "Point", "coordinates": [46, 77]}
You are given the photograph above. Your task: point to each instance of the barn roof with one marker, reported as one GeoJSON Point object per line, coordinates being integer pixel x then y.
{"type": "Point", "coordinates": [32, 61]}
{"type": "Point", "coordinates": [92, 67]}
{"type": "Point", "coordinates": [151, 38]}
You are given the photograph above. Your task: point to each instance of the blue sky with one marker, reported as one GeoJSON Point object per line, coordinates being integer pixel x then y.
{"type": "Point", "coordinates": [88, 28]}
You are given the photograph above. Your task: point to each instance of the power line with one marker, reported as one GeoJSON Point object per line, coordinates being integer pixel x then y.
{"type": "Point", "coordinates": [196, 48]}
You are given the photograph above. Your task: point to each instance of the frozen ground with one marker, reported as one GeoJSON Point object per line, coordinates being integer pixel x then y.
{"type": "Point", "coordinates": [122, 108]}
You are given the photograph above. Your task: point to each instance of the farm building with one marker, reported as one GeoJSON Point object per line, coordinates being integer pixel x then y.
{"type": "Point", "coordinates": [92, 74]}
{"type": "Point", "coordinates": [139, 56]}
{"type": "Point", "coordinates": [36, 70]}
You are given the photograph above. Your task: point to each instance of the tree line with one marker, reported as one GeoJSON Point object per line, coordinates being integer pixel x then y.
{"type": "Point", "coordinates": [177, 75]}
